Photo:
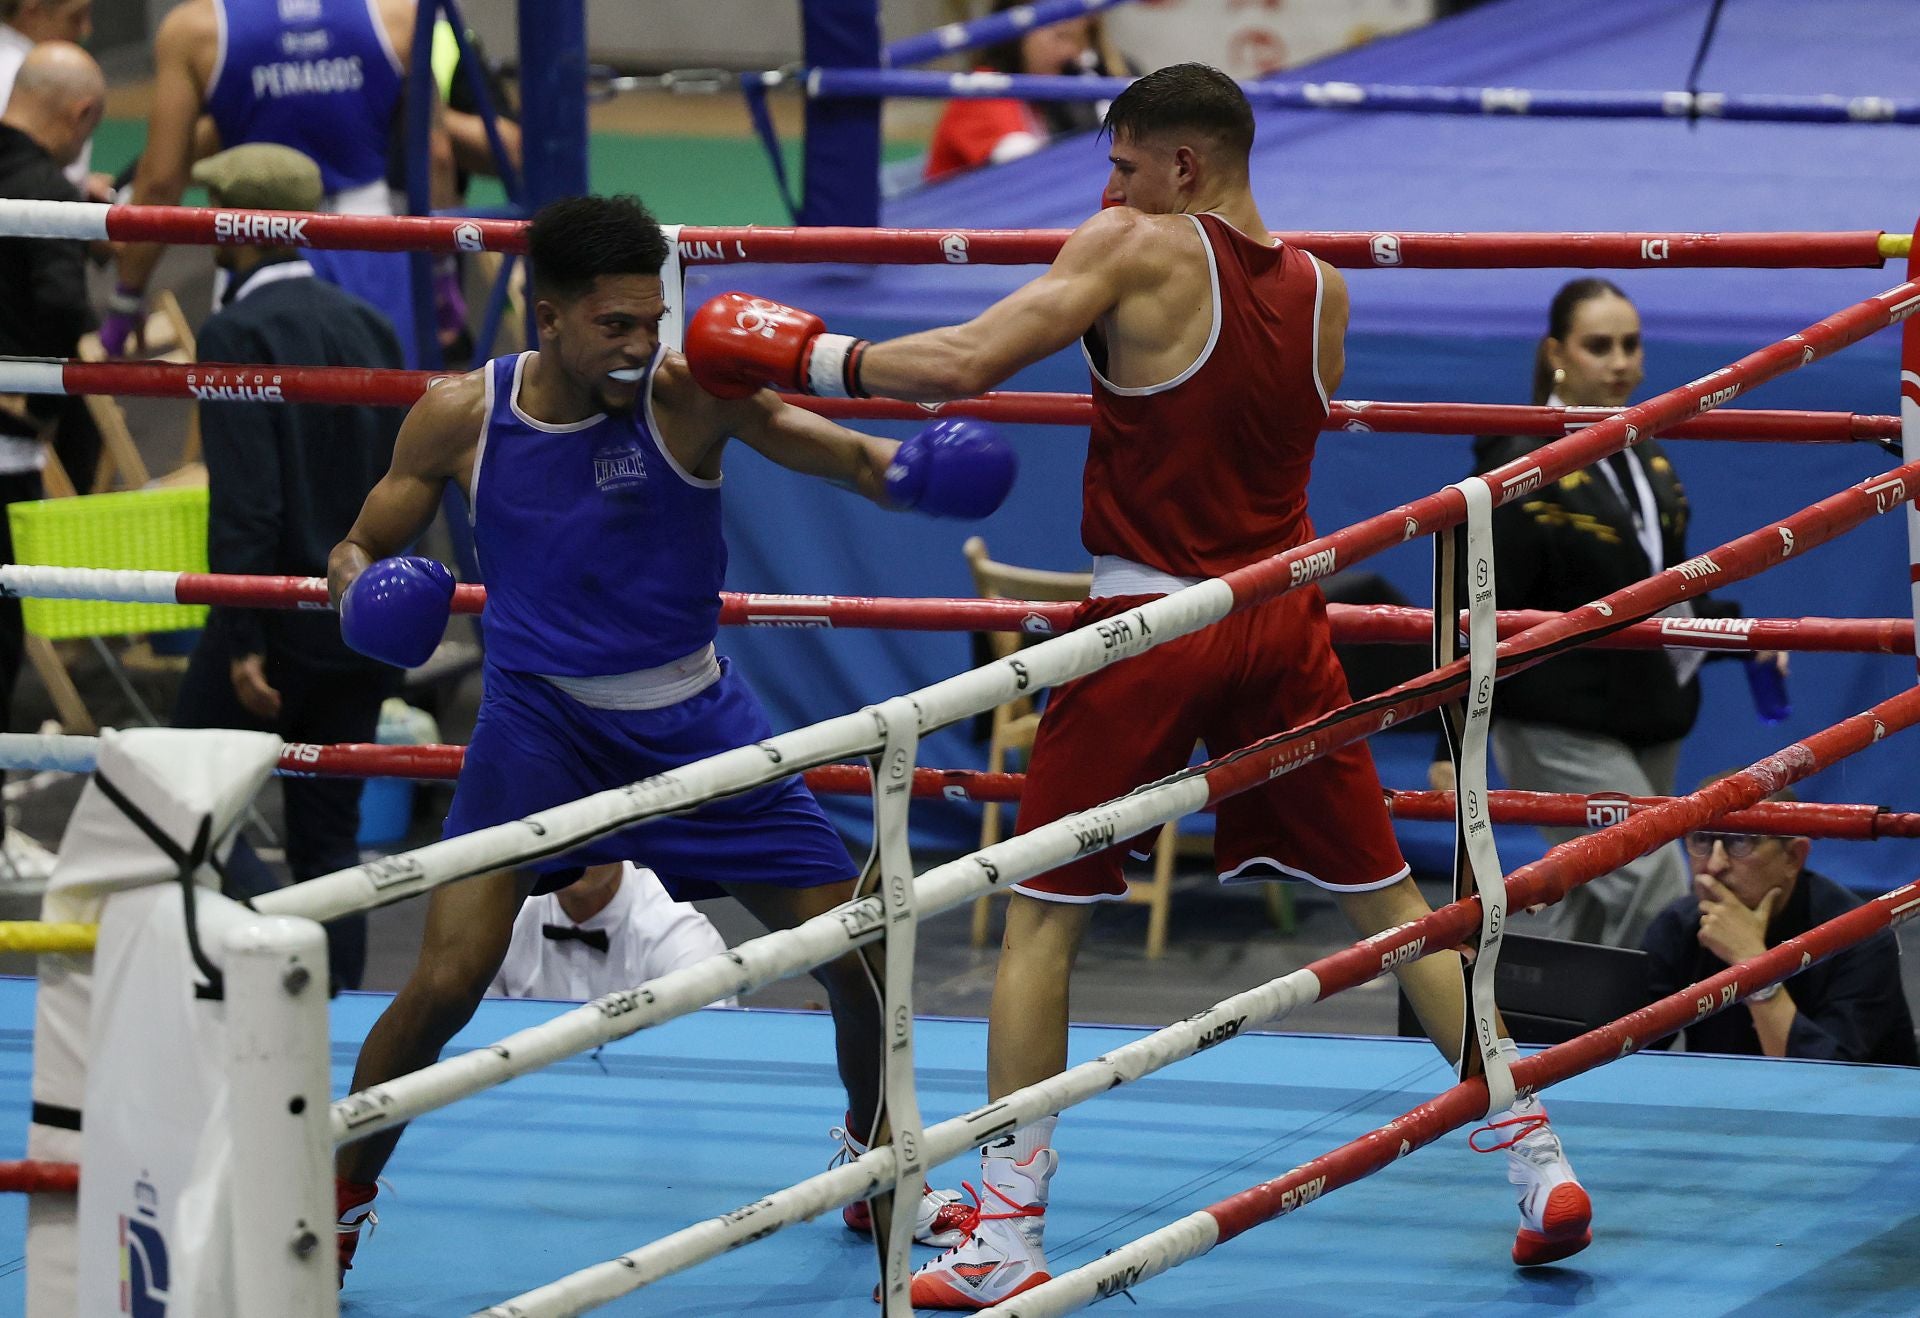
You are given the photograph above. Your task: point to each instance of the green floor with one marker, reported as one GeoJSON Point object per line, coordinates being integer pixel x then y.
{"type": "Point", "coordinates": [688, 180]}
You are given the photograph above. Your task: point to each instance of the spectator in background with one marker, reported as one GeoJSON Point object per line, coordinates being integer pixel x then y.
{"type": "Point", "coordinates": [24, 24]}
{"type": "Point", "coordinates": [1752, 893]}
{"type": "Point", "coordinates": [972, 133]}
{"type": "Point", "coordinates": [613, 928]}
{"type": "Point", "coordinates": [320, 76]}
{"type": "Point", "coordinates": [1594, 720]}
{"type": "Point", "coordinates": [54, 106]}
{"type": "Point", "coordinates": [285, 482]}
{"type": "Point", "coordinates": [458, 152]}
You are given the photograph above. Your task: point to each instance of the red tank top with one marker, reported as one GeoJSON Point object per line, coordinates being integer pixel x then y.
{"type": "Point", "coordinates": [1208, 472]}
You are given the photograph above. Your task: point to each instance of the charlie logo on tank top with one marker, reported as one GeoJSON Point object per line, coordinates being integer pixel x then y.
{"type": "Point", "coordinates": [619, 465]}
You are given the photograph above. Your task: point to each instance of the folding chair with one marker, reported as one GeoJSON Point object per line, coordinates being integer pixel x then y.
{"type": "Point", "coordinates": [168, 338]}
{"type": "Point", "coordinates": [162, 529]}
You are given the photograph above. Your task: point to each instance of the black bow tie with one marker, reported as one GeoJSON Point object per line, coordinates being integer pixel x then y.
{"type": "Point", "coordinates": [561, 933]}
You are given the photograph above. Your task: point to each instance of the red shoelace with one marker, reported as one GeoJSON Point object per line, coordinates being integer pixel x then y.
{"type": "Point", "coordinates": [1527, 1125]}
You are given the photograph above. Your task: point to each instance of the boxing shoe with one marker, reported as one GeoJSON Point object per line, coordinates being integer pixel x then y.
{"type": "Point", "coordinates": [1001, 1257]}
{"type": "Point", "coordinates": [942, 1220]}
{"type": "Point", "coordinates": [1556, 1216]}
{"type": "Point", "coordinates": [353, 1201]}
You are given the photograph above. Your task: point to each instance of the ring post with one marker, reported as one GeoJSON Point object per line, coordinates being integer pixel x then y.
{"type": "Point", "coordinates": [277, 1051]}
{"type": "Point", "coordinates": [841, 170]}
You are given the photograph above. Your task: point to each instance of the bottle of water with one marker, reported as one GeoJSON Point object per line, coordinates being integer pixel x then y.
{"type": "Point", "coordinates": [1769, 687]}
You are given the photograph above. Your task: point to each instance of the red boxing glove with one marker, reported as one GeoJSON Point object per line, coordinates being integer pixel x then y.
{"type": "Point", "coordinates": [738, 344]}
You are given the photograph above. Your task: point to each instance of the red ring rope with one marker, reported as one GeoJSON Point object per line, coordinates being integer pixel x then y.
{"type": "Point", "coordinates": [32, 1176]}
{"type": "Point", "coordinates": [711, 246]}
{"type": "Point", "coordinates": [1861, 823]}
{"type": "Point", "coordinates": [1352, 624]}
{"type": "Point", "coordinates": [214, 381]}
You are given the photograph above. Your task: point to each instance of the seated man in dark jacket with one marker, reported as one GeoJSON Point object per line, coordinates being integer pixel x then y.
{"type": "Point", "coordinates": [1753, 893]}
{"type": "Point", "coordinates": [285, 481]}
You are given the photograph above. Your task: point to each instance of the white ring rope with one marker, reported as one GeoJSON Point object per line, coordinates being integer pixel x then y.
{"type": "Point", "coordinates": [120, 585]}
{"type": "Point", "coordinates": [563, 827]}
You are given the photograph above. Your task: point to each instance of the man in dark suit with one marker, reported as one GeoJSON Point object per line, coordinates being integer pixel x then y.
{"type": "Point", "coordinates": [1750, 894]}
{"type": "Point", "coordinates": [285, 483]}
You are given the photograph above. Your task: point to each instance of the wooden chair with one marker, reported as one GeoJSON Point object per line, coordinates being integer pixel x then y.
{"type": "Point", "coordinates": [168, 338]}
{"type": "Point", "coordinates": [1015, 723]}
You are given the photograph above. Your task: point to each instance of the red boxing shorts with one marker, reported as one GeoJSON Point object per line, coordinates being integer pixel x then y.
{"type": "Point", "coordinates": [1257, 672]}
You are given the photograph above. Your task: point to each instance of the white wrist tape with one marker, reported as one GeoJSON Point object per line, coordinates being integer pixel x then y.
{"type": "Point", "coordinates": [827, 365]}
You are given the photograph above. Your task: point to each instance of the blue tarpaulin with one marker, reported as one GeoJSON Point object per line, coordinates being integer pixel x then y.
{"type": "Point", "coordinates": [1430, 335]}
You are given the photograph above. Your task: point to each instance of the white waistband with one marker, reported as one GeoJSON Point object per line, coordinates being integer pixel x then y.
{"type": "Point", "coordinates": [1114, 575]}
{"type": "Point", "coordinates": [649, 688]}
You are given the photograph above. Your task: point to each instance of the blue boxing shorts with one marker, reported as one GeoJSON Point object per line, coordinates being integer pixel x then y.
{"type": "Point", "coordinates": [535, 747]}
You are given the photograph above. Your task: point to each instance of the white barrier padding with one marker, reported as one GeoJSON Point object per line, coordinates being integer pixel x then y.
{"type": "Point", "coordinates": [142, 1052]}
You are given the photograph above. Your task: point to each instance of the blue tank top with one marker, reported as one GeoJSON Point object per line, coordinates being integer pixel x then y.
{"type": "Point", "coordinates": [315, 75]}
{"type": "Point", "coordinates": [601, 554]}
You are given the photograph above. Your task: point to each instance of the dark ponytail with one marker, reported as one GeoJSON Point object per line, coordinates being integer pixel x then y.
{"type": "Point", "coordinates": [1560, 320]}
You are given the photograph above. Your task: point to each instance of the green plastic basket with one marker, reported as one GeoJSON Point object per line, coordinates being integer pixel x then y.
{"type": "Point", "coordinates": [164, 529]}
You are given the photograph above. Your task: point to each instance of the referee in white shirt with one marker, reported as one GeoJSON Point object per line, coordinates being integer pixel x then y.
{"type": "Point", "coordinates": [614, 928]}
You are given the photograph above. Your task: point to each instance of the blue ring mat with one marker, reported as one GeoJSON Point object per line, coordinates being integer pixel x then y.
{"type": "Point", "coordinates": [1722, 1186]}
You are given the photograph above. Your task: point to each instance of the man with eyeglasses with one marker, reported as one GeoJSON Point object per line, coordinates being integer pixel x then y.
{"type": "Point", "coordinates": [1753, 892]}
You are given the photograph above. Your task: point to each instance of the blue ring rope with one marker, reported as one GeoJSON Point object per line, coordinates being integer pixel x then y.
{"type": "Point", "coordinates": [1384, 98]}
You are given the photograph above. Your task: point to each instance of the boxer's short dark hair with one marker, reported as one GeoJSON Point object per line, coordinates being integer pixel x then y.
{"type": "Point", "coordinates": [575, 240]}
{"type": "Point", "coordinates": [1183, 98]}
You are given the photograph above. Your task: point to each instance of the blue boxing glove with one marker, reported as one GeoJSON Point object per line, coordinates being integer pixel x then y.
{"type": "Point", "coordinates": [959, 468]}
{"type": "Point", "coordinates": [396, 611]}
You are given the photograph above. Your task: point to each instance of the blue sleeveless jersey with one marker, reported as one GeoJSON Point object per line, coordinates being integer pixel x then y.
{"type": "Point", "coordinates": [315, 75]}
{"type": "Point", "coordinates": [600, 554]}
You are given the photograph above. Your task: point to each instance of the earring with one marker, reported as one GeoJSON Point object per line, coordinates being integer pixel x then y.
{"type": "Point", "coordinates": [1559, 376]}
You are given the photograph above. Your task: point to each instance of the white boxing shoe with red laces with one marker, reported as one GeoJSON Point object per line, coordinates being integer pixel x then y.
{"type": "Point", "coordinates": [941, 1222]}
{"type": "Point", "coordinates": [1556, 1216]}
{"type": "Point", "coordinates": [1000, 1258]}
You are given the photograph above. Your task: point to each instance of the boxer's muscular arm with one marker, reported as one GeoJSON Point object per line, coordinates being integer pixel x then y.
{"type": "Point", "coordinates": [802, 441]}
{"type": "Point", "coordinates": [698, 426]}
{"type": "Point", "coordinates": [435, 445]}
{"type": "Point", "coordinates": [1101, 260]}
{"type": "Point", "coordinates": [178, 94]}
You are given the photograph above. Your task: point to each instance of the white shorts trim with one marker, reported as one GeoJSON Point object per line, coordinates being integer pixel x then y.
{"type": "Point", "coordinates": [1238, 874]}
{"type": "Point", "coordinates": [1319, 295]}
{"type": "Point", "coordinates": [1068, 898]}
